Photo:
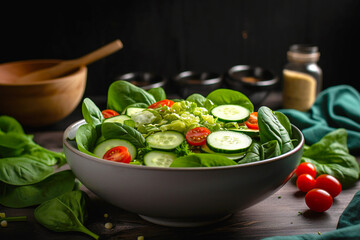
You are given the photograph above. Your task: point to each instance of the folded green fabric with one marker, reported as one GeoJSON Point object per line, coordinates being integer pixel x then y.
{"type": "Point", "coordinates": [348, 226]}
{"type": "Point", "coordinates": [335, 107]}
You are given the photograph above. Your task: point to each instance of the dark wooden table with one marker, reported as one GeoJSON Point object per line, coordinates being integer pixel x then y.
{"type": "Point", "coordinates": [284, 213]}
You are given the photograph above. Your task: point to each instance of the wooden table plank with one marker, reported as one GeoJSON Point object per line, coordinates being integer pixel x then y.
{"type": "Point", "coordinates": [284, 213]}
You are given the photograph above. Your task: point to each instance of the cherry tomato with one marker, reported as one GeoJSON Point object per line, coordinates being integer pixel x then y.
{"type": "Point", "coordinates": [197, 136]}
{"type": "Point", "coordinates": [108, 113]}
{"type": "Point", "coordinates": [329, 184]}
{"type": "Point", "coordinates": [306, 167]}
{"type": "Point", "coordinates": [118, 154]}
{"type": "Point", "coordinates": [252, 121]}
{"type": "Point", "coordinates": [318, 200]}
{"type": "Point", "coordinates": [165, 102]}
{"type": "Point", "coordinates": [305, 182]}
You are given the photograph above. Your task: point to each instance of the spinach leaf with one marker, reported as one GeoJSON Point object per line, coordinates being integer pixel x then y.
{"type": "Point", "coordinates": [258, 152]}
{"type": "Point", "coordinates": [114, 130]}
{"type": "Point", "coordinates": [122, 93]}
{"type": "Point", "coordinates": [86, 137]}
{"type": "Point", "coordinates": [23, 170]}
{"type": "Point", "coordinates": [284, 120]}
{"type": "Point", "coordinates": [253, 154]}
{"type": "Point", "coordinates": [270, 128]}
{"type": "Point", "coordinates": [202, 160]}
{"type": "Point", "coordinates": [91, 113]}
{"type": "Point", "coordinates": [228, 96]}
{"type": "Point", "coordinates": [331, 156]}
{"type": "Point", "coordinates": [201, 101]}
{"type": "Point", "coordinates": [15, 143]}
{"type": "Point", "coordinates": [9, 124]}
{"type": "Point", "coordinates": [65, 213]}
{"type": "Point", "coordinates": [270, 149]}
{"type": "Point", "coordinates": [158, 93]}
{"type": "Point", "coordinates": [34, 194]}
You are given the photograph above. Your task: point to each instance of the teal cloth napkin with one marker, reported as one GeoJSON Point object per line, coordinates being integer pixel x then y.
{"type": "Point", "coordinates": [348, 227]}
{"type": "Point", "coordinates": [335, 107]}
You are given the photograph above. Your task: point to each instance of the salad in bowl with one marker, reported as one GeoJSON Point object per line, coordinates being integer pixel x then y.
{"type": "Point", "coordinates": [146, 128]}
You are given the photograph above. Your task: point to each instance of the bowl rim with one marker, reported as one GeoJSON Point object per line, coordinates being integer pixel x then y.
{"type": "Point", "coordinates": [193, 169]}
{"type": "Point", "coordinates": [214, 79]}
{"type": "Point", "coordinates": [262, 83]}
{"type": "Point", "coordinates": [127, 77]}
{"type": "Point", "coordinates": [79, 70]}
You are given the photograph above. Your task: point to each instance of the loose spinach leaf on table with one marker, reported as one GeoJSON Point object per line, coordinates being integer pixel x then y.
{"type": "Point", "coordinates": [114, 130]}
{"type": "Point", "coordinates": [34, 194]}
{"type": "Point", "coordinates": [331, 156]}
{"type": "Point", "coordinates": [228, 96]}
{"type": "Point", "coordinates": [23, 170]}
{"type": "Point", "coordinates": [65, 213]}
{"type": "Point", "coordinates": [9, 124]}
{"type": "Point", "coordinates": [158, 93]}
{"type": "Point", "coordinates": [122, 93]}
{"type": "Point", "coordinates": [202, 160]}
{"type": "Point", "coordinates": [15, 143]}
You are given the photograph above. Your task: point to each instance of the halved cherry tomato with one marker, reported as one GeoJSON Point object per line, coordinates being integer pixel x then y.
{"type": "Point", "coordinates": [329, 184]}
{"type": "Point", "coordinates": [252, 121]}
{"type": "Point", "coordinates": [197, 136]}
{"type": "Point", "coordinates": [306, 167]}
{"type": "Point", "coordinates": [318, 200]}
{"type": "Point", "coordinates": [108, 113]}
{"type": "Point", "coordinates": [305, 182]}
{"type": "Point", "coordinates": [118, 154]}
{"type": "Point", "coordinates": [165, 102]}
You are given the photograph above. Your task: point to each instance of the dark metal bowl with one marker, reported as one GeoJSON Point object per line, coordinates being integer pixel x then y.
{"type": "Point", "coordinates": [145, 80]}
{"type": "Point", "coordinates": [190, 82]}
{"type": "Point", "coordinates": [254, 82]}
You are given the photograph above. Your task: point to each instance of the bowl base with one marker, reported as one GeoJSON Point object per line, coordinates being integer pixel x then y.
{"type": "Point", "coordinates": [185, 222]}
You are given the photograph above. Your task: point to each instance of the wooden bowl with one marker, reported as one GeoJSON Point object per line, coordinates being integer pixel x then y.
{"type": "Point", "coordinates": [39, 103]}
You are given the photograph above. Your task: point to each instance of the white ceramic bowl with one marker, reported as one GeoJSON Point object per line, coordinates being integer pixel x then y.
{"type": "Point", "coordinates": [181, 196]}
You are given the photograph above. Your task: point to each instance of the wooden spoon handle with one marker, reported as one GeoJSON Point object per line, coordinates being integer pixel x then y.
{"type": "Point", "coordinates": [99, 53]}
{"type": "Point", "coordinates": [66, 66]}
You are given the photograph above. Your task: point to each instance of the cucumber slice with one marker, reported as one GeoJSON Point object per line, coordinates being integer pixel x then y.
{"type": "Point", "coordinates": [159, 158]}
{"type": "Point", "coordinates": [167, 140]}
{"type": "Point", "coordinates": [132, 110]}
{"type": "Point", "coordinates": [247, 131]}
{"type": "Point", "coordinates": [106, 145]}
{"type": "Point", "coordinates": [228, 141]}
{"type": "Point", "coordinates": [231, 113]}
{"type": "Point", "coordinates": [119, 119]}
{"type": "Point", "coordinates": [233, 156]}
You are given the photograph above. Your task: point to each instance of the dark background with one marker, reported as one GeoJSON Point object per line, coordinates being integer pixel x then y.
{"type": "Point", "coordinates": [169, 36]}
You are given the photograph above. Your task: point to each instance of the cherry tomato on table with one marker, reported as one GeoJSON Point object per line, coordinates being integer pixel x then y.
{"type": "Point", "coordinates": [108, 113]}
{"type": "Point", "coordinates": [118, 154]}
{"type": "Point", "coordinates": [252, 121]}
{"type": "Point", "coordinates": [197, 136]}
{"type": "Point", "coordinates": [165, 102]}
{"type": "Point", "coordinates": [305, 182]}
{"type": "Point", "coordinates": [329, 184]}
{"type": "Point", "coordinates": [318, 200]}
{"type": "Point", "coordinates": [306, 167]}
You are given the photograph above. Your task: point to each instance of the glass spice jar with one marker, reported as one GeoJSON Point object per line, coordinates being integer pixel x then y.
{"type": "Point", "coordinates": [302, 77]}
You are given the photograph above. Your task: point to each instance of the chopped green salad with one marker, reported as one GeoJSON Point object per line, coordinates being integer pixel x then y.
{"type": "Point", "coordinates": [145, 128]}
